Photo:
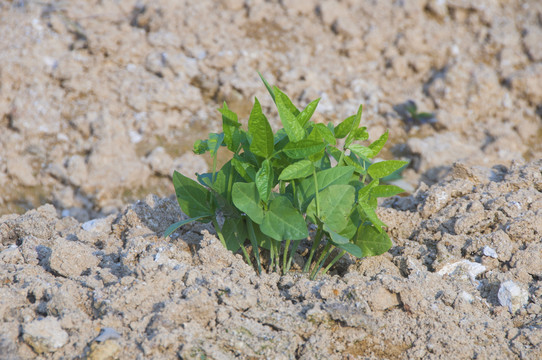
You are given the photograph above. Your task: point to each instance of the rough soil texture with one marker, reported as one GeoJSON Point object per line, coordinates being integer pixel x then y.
{"type": "Point", "coordinates": [100, 101]}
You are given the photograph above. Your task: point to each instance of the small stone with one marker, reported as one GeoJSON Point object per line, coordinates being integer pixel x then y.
{"type": "Point", "coordinates": [472, 269]}
{"type": "Point", "coordinates": [106, 334]}
{"type": "Point", "coordinates": [487, 251]}
{"type": "Point", "coordinates": [512, 296]}
{"type": "Point", "coordinates": [11, 255]}
{"type": "Point", "coordinates": [45, 335]}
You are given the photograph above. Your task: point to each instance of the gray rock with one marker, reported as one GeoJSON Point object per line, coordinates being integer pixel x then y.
{"type": "Point", "coordinates": [512, 296]}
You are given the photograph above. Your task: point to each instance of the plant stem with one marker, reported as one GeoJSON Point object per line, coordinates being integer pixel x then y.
{"type": "Point", "coordinates": [285, 256]}
{"type": "Point", "coordinates": [335, 259]}
{"type": "Point", "coordinates": [321, 260]}
{"type": "Point", "coordinates": [271, 255]}
{"type": "Point", "coordinates": [254, 243]}
{"type": "Point", "coordinates": [245, 253]}
{"type": "Point", "coordinates": [315, 244]}
{"type": "Point", "coordinates": [230, 184]}
{"type": "Point", "coordinates": [316, 189]}
{"type": "Point", "coordinates": [290, 258]}
{"type": "Point", "coordinates": [219, 232]}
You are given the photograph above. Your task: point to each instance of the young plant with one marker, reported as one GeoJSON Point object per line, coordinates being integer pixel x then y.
{"type": "Point", "coordinates": [276, 184]}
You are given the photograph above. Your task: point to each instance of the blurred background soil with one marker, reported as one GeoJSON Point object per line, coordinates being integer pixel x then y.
{"type": "Point", "coordinates": [101, 100]}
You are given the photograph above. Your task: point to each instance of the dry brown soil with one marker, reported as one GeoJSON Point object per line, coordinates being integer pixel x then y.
{"type": "Point", "coordinates": [101, 100]}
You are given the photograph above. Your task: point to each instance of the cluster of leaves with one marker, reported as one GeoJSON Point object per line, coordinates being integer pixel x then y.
{"type": "Point", "coordinates": [276, 184]}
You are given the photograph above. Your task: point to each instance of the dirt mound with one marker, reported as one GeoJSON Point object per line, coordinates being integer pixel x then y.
{"type": "Point", "coordinates": [463, 278]}
{"type": "Point", "coordinates": [99, 102]}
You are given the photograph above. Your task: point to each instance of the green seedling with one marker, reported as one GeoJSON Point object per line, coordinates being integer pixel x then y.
{"type": "Point", "coordinates": [276, 184]}
{"type": "Point", "coordinates": [408, 111]}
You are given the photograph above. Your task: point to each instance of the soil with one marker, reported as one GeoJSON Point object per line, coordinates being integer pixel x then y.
{"type": "Point", "coordinates": [101, 100]}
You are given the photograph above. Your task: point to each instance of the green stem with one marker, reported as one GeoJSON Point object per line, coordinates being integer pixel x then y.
{"type": "Point", "coordinates": [254, 243]}
{"type": "Point", "coordinates": [277, 257]}
{"type": "Point", "coordinates": [214, 170]}
{"type": "Point", "coordinates": [315, 245]}
{"type": "Point", "coordinates": [271, 256]}
{"type": "Point", "coordinates": [291, 257]}
{"type": "Point", "coordinates": [335, 259]}
{"type": "Point", "coordinates": [321, 260]}
{"type": "Point", "coordinates": [219, 232]}
{"type": "Point", "coordinates": [230, 184]}
{"type": "Point", "coordinates": [285, 256]}
{"type": "Point", "coordinates": [246, 255]}
{"type": "Point", "coordinates": [317, 190]}
{"type": "Point", "coordinates": [282, 187]}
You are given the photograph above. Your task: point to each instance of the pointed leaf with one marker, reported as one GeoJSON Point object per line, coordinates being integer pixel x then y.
{"type": "Point", "coordinates": [269, 89]}
{"type": "Point", "coordinates": [362, 151]}
{"type": "Point", "coordinates": [303, 149]}
{"type": "Point", "coordinates": [246, 198]}
{"type": "Point", "coordinates": [297, 170]}
{"type": "Point", "coordinates": [336, 238]}
{"type": "Point", "coordinates": [379, 144]}
{"type": "Point", "coordinates": [325, 178]}
{"type": "Point", "coordinates": [372, 242]}
{"type": "Point", "coordinates": [260, 130]}
{"type": "Point", "coordinates": [243, 168]}
{"type": "Point", "coordinates": [288, 116]}
{"type": "Point", "coordinates": [371, 215]}
{"type": "Point", "coordinates": [282, 221]}
{"type": "Point", "coordinates": [384, 168]}
{"type": "Point", "coordinates": [230, 125]}
{"type": "Point", "coordinates": [177, 225]}
{"type": "Point", "coordinates": [235, 233]}
{"type": "Point", "coordinates": [326, 134]}
{"type": "Point", "coordinates": [335, 206]}
{"type": "Point", "coordinates": [192, 197]}
{"type": "Point", "coordinates": [306, 114]}
{"type": "Point", "coordinates": [264, 180]}
{"type": "Point", "coordinates": [386, 190]}
{"type": "Point", "coordinates": [348, 124]}
{"type": "Point", "coordinates": [215, 141]}
{"type": "Point", "coordinates": [352, 249]}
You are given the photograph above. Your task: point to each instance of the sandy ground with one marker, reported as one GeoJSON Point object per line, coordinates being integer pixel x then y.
{"type": "Point", "coordinates": [101, 100]}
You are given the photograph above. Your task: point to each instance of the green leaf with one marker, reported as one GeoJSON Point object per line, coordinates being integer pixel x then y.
{"type": "Point", "coordinates": [352, 249]}
{"type": "Point", "coordinates": [246, 198]}
{"type": "Point", "coordinates": [352, 161]}
{"type": "Point", "coordinates": [335, 237]}
{"type": "Point", "coordinates": [260, 130]}
{"type": "Point", "coordinates": [215, 141]}
{"type": "Point", "coordinates": [326, 134]}
{"type": "Point", "coordinates": [335, 206]}
{"type": "Point", "coordinates": [191, 196]}
{"type": "Point", "coordinates": [384, 168]}
{"type": "Point", "coordinates": [264, 180]}
{"type": "Point", "coordinates": [269, 89]}
{"type": "Point", "coordinates": [344, 127]}
{"type": "Point", "coordinates": [348, 124]}
{"type": "Point", "coordinates": [379, 144]}
{"type": "Point", "coordinates": [288, 116]}
{"type": "Point", "coordinates": [282, 221]}
{"type": "Point", "coordinates": [243, 168]}
{"type": "Point", "coordinates": [372, 242]}
{"type": "Point", "coordinates": [297, 170]}
{"type": "Point", "coordinates": [230, 126]}
{"type": "Point", "coordinates": [177, 225]}
{"type": "Point", "coordinates": [325, 178]}
{"type": "Point", "coordinates": [235, 233]}
{"type": "Point", "coordinates": [386, 190]}
{"type": "Point", "coordinates": [365, 191]}
{"type": "Point", "coordinates": [303, 149]}
{"type": "Point", "coordinates": [200, 147]}
{"type": "Point", "coordinates": [353, 130]}
{"type": "Point", "coordinates": [307, 113]}
{"type": "Point", "coordinates": [362, 151]}
{"type": "Point", "coordinates": [371, 215]}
